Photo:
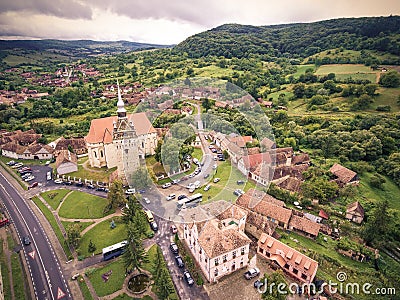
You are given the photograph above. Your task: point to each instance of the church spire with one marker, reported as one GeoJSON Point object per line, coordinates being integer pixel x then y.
{"type": "Point", "coordinates": [121, 111]}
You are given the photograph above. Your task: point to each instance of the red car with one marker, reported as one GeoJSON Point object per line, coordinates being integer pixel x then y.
{"type": "Point", "coordinates": [33, 185]}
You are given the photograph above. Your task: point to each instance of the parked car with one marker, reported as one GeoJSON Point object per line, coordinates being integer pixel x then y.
{"type": "Point", "coordinates": [75, 276]}
{"type": "Point", "coordinates": [258, 284]}
{"type": "Point", "coordinates": [179, 261]}
{"type": "Point", "coordinates": [180, 197]}
{"type": "Point", "coordinates": [146, 200]}
{"type": "Point", "coordinates": [30, 178]}
{"type": "Point", "coordinates": [130, 191]}
{"type": "Point", "coordinates": [173, 229]}
{"type": "Point", "coordinates": [26, 175]}
{"type": "Point", "coordinates": [17, 165]}
{"type": "Point", "coordinates": [240, 182]}
{"type": "Point", "coordinates": [166, 185]}
{"type": "Point", "coordinates": [90, 186]}
{"type": "Point", "coordinates": [207, 187]}
{"type": "Point", "coordinates": [174, 248]}
{"type": "Point", "coordinates": [175, 181]}
{"type": "Point", "coordinates": [170, 197]}
{"type": "Point", "coordinates": [142, 191]}
{"type": "Point", "coordinates": [58, 181]}
{"type": "Point", "coordinates": [238, 192]}
{"type": "Point", "coordinates": [11, 163]}
{"type": "Point", "coordinates": [206, 176]}
{"type": "Point", "coordinates": [191, 175]}
{"type": "Point", "coordinates": [35, 184]}
{"type": "Point", "coordinates": [216, 180]}
{"type": "Point", "coordinates": [188, 277]}
{"type": "Point", "coordinates": [253, 272]}
{"type": "Point", "coordinates": [214, 167]}
{"type": "Point", "coordinates": [154, 226]}
{"type": "Point", "coordinates": [221, 158]}
{"type": "Point", "coordinates": [68, 182]}
{"type": "Point", "coordinates": [48, 175]}
{"type": "Point", "coordinates": [26, 241]}
{"type": "Point", "coordinates": [192, 189]}
{"type": "Point", "coordinates": [101, 189]}
{"type": "Point", "coordinates": [79, 183]}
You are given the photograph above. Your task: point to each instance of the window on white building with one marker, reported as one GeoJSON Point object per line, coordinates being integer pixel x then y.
{"type": "Point", "coordinates": [234, 254]}
{"type": "Point", "coordinates": [242, 251]}
{"type": "Point", "coordinates": [224, 258]}
{"type": "Point", "coordinates": [216, 261]}
{"type": "Point", "coordinates": [216, 272]}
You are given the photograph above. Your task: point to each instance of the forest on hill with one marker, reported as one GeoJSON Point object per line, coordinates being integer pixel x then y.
{"type": "Point", "coordinates": [296, 41]}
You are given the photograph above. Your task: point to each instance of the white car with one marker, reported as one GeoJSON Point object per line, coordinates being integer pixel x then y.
{"type": "Point", "coordinates": [171, 196]}
{"type": "Point", "coordinates": [215, 166]}
{"type": "Point", "coordinates": [216, 180]}
{"type": "Point", "coordinates": [58, 181]}
{"type": "Point", "coordinates": [146, 200]}
{"type": "Point", "coordinates": [191, 190]}
{"type": "Point", "coordinates": [166, 185]}
{"type": "Point", "coordinates": [207, 187]}
{"type": "Point", "coordinates": [190, 185]}
{"type": "Point", "coordinates": [130, 191]}
{"type": "Point", "coordinates": [251, 273]}
{"type": "Point", "coordinates": [29, 178]}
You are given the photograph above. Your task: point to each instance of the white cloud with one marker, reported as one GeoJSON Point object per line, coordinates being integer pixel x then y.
{"type": "Point", "coordinates": [162, 22]}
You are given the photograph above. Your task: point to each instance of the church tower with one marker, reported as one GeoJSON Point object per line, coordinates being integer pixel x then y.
{"type": "Point", "coordinates": [125, 142]}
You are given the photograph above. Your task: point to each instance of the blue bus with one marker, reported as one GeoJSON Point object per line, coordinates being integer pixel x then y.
{"type": "Point", "coordinates": [114, 250]}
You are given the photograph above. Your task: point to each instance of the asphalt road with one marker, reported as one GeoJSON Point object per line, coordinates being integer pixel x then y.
{"type": "Point", "coordinates": [44, 268]}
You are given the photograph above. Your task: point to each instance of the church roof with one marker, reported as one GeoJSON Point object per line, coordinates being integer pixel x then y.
{"type": "Point", "coordinates": [101, 129]}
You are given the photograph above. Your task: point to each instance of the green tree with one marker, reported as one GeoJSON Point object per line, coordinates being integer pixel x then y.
{"type": "Point", "coordinates": [116, 196]}
{"type": "Point", "coordinates": [377, 181]}
{"type": "Point", "coordinates": [207, 103]}
{"type": "Point", "coordinates": [73, 235]}
{"type": "Point", "coordinates": [390, 79]}
{"type": "Point", "coordinates": [135, 254]}
{"type": "Point", "coordinates": [276, 286]}
{"type": "Point", "coordinates": [164, 286]}
{"type": "Point", "coordinates": [376, 229]}
{"type": "Point", "coordinates": [157, 150]}
{"type": "Point", "coordinates": [91, 247]}
{"type": "Point", "coordinates": [298, 90]}
{"type": "Point", "coordinates": [140, 179]}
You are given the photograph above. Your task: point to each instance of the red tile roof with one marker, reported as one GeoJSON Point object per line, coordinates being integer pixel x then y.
{"type": "Point", "coordinates": [343, 174]}
{"type": "Point", "coordinates": [101, 129]}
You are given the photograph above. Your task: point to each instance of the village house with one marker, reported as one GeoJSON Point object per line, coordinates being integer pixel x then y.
{"type": "Point", "coordinates": [355, 212]}
{"type": "Point", "coordinates": [262, 208]}
{"type": "Point", "coordinates": [77, 144]}
{"type": "Point", "coordinates": [294, 263]}
{"type": "Point", "coordinates": [24, 145]}
{"type": "Point", "coordinates": [218, 244]}
{"type": "Point", "coordinates": [266, 207]}
{"type": "Point", "coordinates": [343, 175]}
{"type": "Point", "coordinates": [66, 162]}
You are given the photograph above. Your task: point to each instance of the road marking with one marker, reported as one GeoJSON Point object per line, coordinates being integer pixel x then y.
{"type": "Point", "coordinates": [32, 254]}
{"type": "Point", "coordinates": [60, 293]}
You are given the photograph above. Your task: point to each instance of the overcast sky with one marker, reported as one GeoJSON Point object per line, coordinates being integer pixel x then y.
{"type": "Point", "coordinates": [166, 21]}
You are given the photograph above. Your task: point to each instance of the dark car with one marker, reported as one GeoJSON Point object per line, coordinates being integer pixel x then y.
{"type": "Point", "coordinates": [26, 240]}
{"type": "Point", "coordinates": [79, 183]}
{"type": "Point", "coordinates": [180, 197]}
{"type": "Point", "coordinates": [154, 226]}
{"type": "Point", "coordinates": [240, 182]}
{"type": "Point", "coordinates": [206, 176]}
{"type": "Point", "coordinates": [101, 189]}
{"type": "Point", "coordinates": [174, 248]}
{"type": "Point", "coordinates": [68, 182]}
{"type": "Point", "coordinates": [90, 186]}
{"type": "Point", "coordinates": [188, 278]}
{"type": "Point", "coordinates": [142, 191]}
{"type": "Point", "coordinates": [179, 261]}
{"type": "Point", "coordinates": [258, 284]}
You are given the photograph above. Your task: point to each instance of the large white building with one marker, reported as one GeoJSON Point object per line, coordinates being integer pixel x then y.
{"type": "Point", "coordinates": [219, 243]}
{"type": "Point", "coordinates": [120, 141]}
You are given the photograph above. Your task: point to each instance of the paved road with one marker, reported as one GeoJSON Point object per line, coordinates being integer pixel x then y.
{"type": "Point", "coordinates": [163, 238]}
{"type": "Point", "coordinates": [44, 268]}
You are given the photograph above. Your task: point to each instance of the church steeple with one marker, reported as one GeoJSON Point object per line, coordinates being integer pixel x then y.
{"type": "Point", "coordinates": [121, 111]}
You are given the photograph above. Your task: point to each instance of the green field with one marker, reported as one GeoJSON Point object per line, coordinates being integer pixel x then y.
{"type": "Point", "coordinates": [344, 71]}
{"type": "Point", "coordinates": [80, 205]}
{"type": "Point", "coordinates": [114, 282]}
{"type": "Point", "coordinates": [108, 236]}
{"type": "Point", "coordinates": [53, 198]}
{"type": "Point", "coordinates": [82, 225]}
{"type": "Point", "coordinates": [51, 219]}
{"type": "Point", "coordinates": [301, 69]}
